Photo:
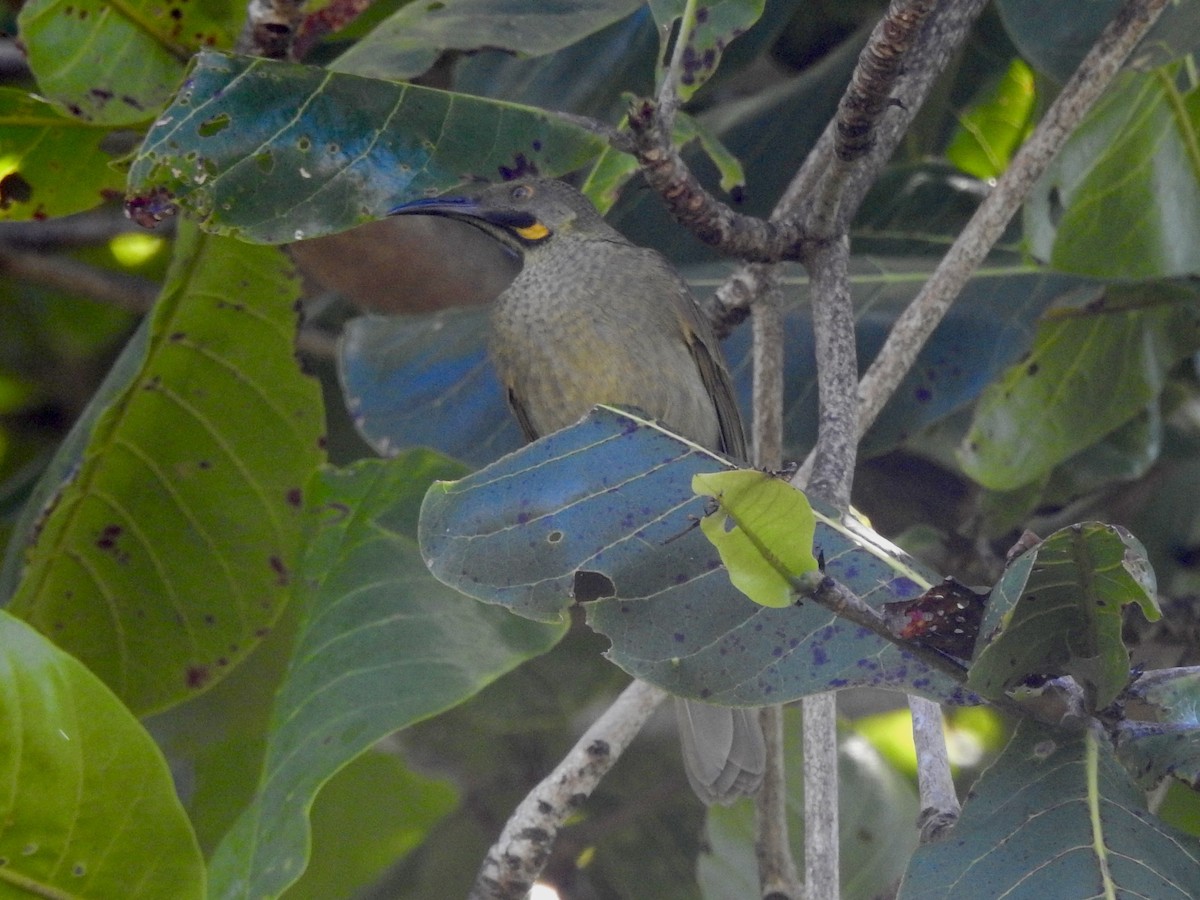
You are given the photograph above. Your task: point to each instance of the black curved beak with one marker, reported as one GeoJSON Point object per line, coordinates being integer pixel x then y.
{"type": "Point", "coordinates": [466, 208]}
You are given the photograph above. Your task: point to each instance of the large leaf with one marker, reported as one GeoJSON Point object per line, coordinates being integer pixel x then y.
{"type": "Point", "coordinates": [276, 152]}
{"type": "Point", "coordinates": [1095, 364]}
{"type": "Point", "coordinates": [1056, 817]}
{"type": "Point", "coordinates": [118, 63]}
{"type": "Point", "coordinates": [86, 792]}
{"type": "Point", "coordinates": [49, 165]}
{"type": "Point", "coordinates": [1122, 198]}
{"type": "Point", "coordinates": [412, 37]}
{"type": "Point", "coordinates": [381, 645]}
{"type": "Point", "coordinates": [605, 509]}
{"type": "Point", "coordinates": [171, 551]}
{"type": "Point", "coordinates": [1058, 610]}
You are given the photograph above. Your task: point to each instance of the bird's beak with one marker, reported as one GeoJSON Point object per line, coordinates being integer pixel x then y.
{"type": "Point", "coordinates": [523, 224]}
{"type": "Point", "coordinates": [457, 207]}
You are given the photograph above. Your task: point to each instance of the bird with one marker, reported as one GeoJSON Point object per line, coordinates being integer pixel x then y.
{"type": "Point", "coordinates": [594, 318]}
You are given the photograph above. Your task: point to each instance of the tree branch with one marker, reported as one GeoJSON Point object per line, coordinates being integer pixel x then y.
{"type": "Point", "coordinates": [521, 851]}
{"type": "Point", "coordinates": [921, 317]}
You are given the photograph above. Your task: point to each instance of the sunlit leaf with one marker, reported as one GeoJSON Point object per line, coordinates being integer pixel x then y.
{"type": "Point", "coordinates": [171, 551]}
{"type": "Point", "coordinates": [990, 132]}
{"type": "Point", "coordinates": [49, 165]}
{"type": "Point", "coordinates": [1095, 364]}
{"type": "Point", "coordinates": [86, 791]}
{"type": "Point", "coordinates": [763, 529]}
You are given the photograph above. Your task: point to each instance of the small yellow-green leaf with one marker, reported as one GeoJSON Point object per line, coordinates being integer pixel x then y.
{"type": "Point", "coordinates": [763, 529]}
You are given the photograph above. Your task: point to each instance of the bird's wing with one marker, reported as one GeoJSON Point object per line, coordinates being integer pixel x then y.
{"type": "Point", "coordinates": [711, 363]}
{"type": "Point", "coordinates": [521, 415]}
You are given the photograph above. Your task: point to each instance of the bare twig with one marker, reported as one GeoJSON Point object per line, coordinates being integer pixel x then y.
{"type": "Point", "coordinates": [943, 32]}
{"type": "Point", "coordinates": [939, 801]}
{"type": "Point", "coordinates": [821, 846]}
{"type": "Point", "coordinates": [521, 851]}
{"type": "Point", "coordinates": [127, 292]}
{"type": "Point", "coordinates": [921, 317]}
{"type": "Point", "coordinates": [777, 871]}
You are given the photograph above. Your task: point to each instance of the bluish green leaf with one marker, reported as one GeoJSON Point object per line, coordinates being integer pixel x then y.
{"type": "Point", "coordinates": [276, 152]}
{"type": "Point", "coordinates": [706, 30]}
{"type": "Point", "coordinates": [1056, 816]}
{"type": "Point", "coordinates": [602, 513]}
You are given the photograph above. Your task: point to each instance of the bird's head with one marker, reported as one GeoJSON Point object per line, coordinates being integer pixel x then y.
{"type": "Point", "coordinates": [521, 214]}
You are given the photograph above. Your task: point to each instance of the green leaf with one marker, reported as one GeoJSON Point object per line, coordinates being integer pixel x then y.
{"type": "Point", "coordinates": [49, 165]}
{"type": "Point", "coordinates": [367, 817]}
{"type": "Point", "coordinates": [172, 550]}
{"type": "Point", "coordinates": [1058, 610]}
{"type": "Point", "coordinates": [707, 29]}
{"type": "Point", "coordinates": [86, 792]}
{"type": "Point", "coordinates": [381, 646]}
{"type": "Point", "coordinates": [412, 38]}
{"type": "Point", "coordinates": [763, 529]}
{"type": "Point", "coordinates": [118, 63]}
{"type": "Point", "coordinates": [1056, 816]}
{"type": "Point", "coordinates": [274, 152]}
{"type": "Point", "coordinates": [603, 514]}
{"type": "Point", "coordinates": [877, 807]}
{"type": "Point", "coordinates": [1123, 196]}
{"type": "Point", "coordinates": [1095, 364]}
{"type": "Point", "coordinates": [992, 130]}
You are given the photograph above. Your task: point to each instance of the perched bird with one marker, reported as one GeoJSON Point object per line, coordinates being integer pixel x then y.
{"type": "Point", "coordinates": [591, 318]}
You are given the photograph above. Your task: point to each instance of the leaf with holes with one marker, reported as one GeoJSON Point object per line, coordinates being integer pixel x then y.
{"type": "Point", "coordinates": [172, 549]}
{"type": "Point", "coordinates": [275, 152]}
{"type": "Point", "coordinates": [603, 513]}
{"type": "Point", "coordinates": [1058, 610]}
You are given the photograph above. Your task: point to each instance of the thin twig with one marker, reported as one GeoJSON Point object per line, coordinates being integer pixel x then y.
{"type": "Point", "coordinates": [127, 292]}
{"type": "Point", "coordinates": [822, 850]}
{"type": "Point", "coordinates": [921, 317]}
{"type": "Point", "coordinates": [521, 851]}
{"type": "Point", "coordinates": [939, 801]}
{"type": "Point", "coordinates": [777, 872]}
{"type": "Point", "coordinates": [943, 32]}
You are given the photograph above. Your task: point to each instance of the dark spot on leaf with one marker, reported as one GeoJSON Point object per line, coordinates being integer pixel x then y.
{"type": "Point", "coordinates": [197, 676]}
{"type": "Point", "coordinates": [304, 144]}
{"type": "Point", "coordinates": [554, 537]}
{"type": "Point", "coordinates": [522, 167]}
{"type": "Point", "coordinates": [1031, 369]}
{"type": "Point", "coordinates": [210, 619]}
{"type": "Point", "coordinates": [680, 637]}
{"type": "Point", "coordinates": [79, 870]}
{"type": "Point", "coordinates": [591, 586]}
{"type": "Point", "coordinates": [295, 497]}
{"type": "Point", "coordinates": [214, 125]}
{"type": "Point", "coordinates": [14, 189]}
{"type": "Point", "coordinates": [702, 14]}
{"type": "Point", "coordinates": [280, 570]}
{"type": "Point", "coordinates": [101, 94]}
{"type": "Point", "coordinates": [177, 336]}
{"type": "Point", "coordinates": [923, 395]}
{"type": "Point", "coordinates": [738, 194]}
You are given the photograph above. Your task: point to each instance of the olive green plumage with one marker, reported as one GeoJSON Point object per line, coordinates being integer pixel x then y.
{"type": "Point", "coordinates": [592, 318]}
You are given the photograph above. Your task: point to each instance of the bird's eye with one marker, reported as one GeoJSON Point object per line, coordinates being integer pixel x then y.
{"type": "Point", "coordinates": [522, 192]}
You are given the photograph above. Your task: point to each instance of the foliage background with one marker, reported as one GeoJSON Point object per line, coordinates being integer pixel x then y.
{"type": "Point", "coordinates": [269, 621]}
